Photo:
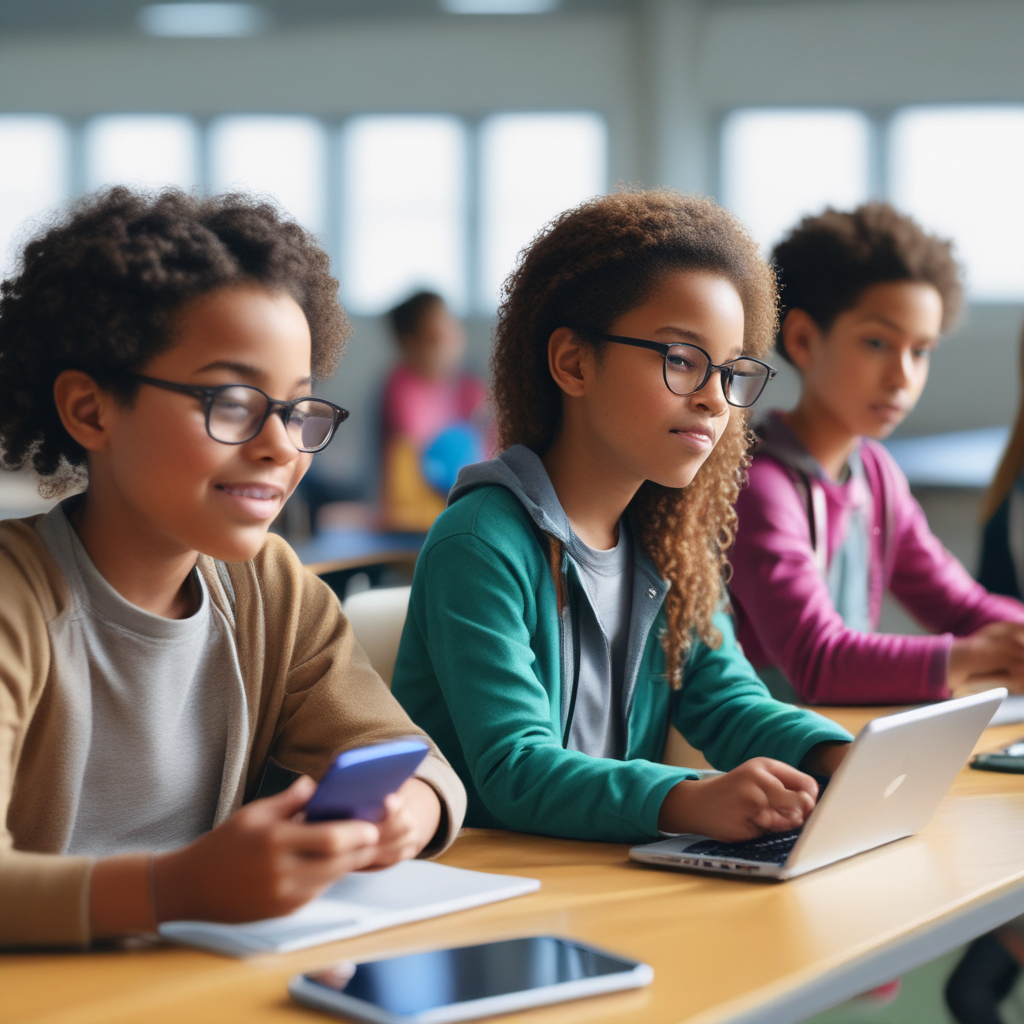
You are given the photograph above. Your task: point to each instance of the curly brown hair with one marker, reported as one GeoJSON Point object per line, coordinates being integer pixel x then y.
{"type": "Point", "coordinates": [585, 270]}
{"type": "Point", "coordinates": [99, 292]}
{"type": "Point", "coordinates": [826, 262]}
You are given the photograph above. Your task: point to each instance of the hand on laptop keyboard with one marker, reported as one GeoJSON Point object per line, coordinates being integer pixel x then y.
{"type": "Point", "coordinates": [761, 795]}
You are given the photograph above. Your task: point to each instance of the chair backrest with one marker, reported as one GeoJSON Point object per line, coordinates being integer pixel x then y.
{"type": "Point", "coordinates": [377, 617]}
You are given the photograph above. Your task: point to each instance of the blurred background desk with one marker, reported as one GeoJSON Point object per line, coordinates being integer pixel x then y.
{"type": "Point", "coordinates": [961, 458]}
{"type": "Point", "coordinates": [350, 560]}
{"type": "Point", "coordinates": [723, 950]}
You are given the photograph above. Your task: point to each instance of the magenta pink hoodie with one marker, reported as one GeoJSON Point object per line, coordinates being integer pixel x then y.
{"type": "Point", "coordinates": [785, 616]}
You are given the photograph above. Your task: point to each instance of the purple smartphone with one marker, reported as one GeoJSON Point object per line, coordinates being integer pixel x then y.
{"type": "Point", "coordinates": [356, 784]}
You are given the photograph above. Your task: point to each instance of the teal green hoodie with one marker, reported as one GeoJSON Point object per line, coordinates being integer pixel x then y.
{"type": "Point", "coordinates": [486, 662]}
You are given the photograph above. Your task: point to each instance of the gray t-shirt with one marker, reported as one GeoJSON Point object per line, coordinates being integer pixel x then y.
{"type": "Point", "coordinates": [597, 727]}
{"type": "Point", "coordinates": [166, 697]}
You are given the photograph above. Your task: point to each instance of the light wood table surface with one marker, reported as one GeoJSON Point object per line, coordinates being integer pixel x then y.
{"type": "Point", "coordinates": [722, 949]}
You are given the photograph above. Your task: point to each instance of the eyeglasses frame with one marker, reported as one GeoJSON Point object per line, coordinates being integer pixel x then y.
{"type": "Point", "coordinates": [725, 369]}
{"type": "Point", "coordinates": [207, 395]}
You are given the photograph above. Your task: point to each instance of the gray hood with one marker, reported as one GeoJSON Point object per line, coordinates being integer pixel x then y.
{"type": "Point", "coordinates": [521, 471]}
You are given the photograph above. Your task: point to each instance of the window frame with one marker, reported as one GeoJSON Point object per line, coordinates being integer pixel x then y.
{"type": "Point", "coordinates": [331, 232]}
{"type": "Point", "coordinates": [881, 121]}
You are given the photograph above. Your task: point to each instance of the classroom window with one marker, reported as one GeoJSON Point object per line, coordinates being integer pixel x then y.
{"type": "Point", "coordinates": [404, 215]}
{"type": "Point", "coordinates": [412, 201]}
{"type": "Point", "coordinates": [143, 151]}
{"type": "Point", "coordinates": [958, 170]}
{"type": "Point", "coordinates": [779, 165]}
{"type": "Point", "coordinates": [281, 157]}
{"type": "Point", "coordinates": [34, 153]}
{"type": "Point", "coordinates": [532, 167]}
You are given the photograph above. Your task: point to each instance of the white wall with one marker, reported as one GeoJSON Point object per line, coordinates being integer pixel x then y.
{"type": "Point", "coordinates": [663, 76]}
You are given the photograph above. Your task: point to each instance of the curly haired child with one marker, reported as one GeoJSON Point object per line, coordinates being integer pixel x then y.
{"type": "Point", "coordinates": [157, 647]}
{"type": "Point", "coordinates": [566, 608]}
{"type": "Point", "coordinates": [828, 523]}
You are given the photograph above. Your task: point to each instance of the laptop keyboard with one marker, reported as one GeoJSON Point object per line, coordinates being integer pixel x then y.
{"type": "Point", "coordinates": [772, 848]}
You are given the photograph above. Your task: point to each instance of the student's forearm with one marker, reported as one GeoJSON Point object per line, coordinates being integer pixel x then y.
{"type": "Point", "coordinates": [824, 758]}
{"type": "Point", "coordinates": [121, 896]}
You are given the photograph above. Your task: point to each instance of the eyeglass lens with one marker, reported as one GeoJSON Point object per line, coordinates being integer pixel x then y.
{"type": "Point", "coordinates": [685, 367]}
{"type": "Point", "coordinates": [237, 414]}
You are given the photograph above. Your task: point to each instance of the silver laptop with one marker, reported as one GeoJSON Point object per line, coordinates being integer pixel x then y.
{"type": "Point", "coordinates": [888, 787]}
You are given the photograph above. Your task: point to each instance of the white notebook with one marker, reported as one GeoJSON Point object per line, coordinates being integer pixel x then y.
{"type": "Point", "coordinates": [362, 902]}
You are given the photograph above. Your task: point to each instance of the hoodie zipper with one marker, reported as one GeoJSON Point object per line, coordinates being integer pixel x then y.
{"type": "Point", "coordinates": [574, 618]}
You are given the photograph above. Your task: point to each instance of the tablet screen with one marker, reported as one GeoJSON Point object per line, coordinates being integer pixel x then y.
{"type": "Point", "coordinates": [425, 981]}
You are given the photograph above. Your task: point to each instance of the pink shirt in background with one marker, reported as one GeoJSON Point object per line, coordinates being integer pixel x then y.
{"type": "Point", "coordinates": [420, 409]}
{"type": "Point", "coordinates": [784, 613]}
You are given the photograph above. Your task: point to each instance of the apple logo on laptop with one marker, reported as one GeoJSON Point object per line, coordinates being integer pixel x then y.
{"type": "Point", "coordinates": [893, 786]}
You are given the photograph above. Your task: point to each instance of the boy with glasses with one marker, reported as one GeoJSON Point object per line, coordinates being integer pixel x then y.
{"type": "Point", "coordinates": [157, 647]}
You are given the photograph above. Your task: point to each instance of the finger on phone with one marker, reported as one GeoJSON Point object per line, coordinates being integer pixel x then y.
{"type": "Point", "coordinates": [284, 805]}
{"type": "Point", "coordinates": [322, 871]}
{"type": "Point", "coordinates": [328, 838]}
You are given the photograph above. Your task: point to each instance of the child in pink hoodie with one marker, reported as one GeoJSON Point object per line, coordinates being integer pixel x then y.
{"type": "Point", "coordinates": [828, 523]}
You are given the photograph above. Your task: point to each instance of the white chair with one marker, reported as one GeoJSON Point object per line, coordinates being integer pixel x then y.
{"type": "Point", "coordinates": [377, 618]}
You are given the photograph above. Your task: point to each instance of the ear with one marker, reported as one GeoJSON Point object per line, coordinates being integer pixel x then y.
{"type": "Point", "coordinates": [800, 335]}
{"type": "Point", "coordinates": [83, 408]}
{"type": "Point", "coordinates": [566, 358]}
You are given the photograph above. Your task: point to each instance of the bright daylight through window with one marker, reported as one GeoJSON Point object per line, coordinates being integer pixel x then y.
{"type": "Point", "coordinates": [404, 212]}
{"type": "Point", "coordinates": [532, 167]}
{"type": "Point", "coordinates": [145, 151]}
{"type": "Point", "coordinates": [779, 165]}
{"type": "Point", "coordinates": [34, 176]}
{"type": "Point", "coordinates": [284, 158]}
{"type": "Point", "coordinates": [959, 171]}
{"type": "Point", "coordinates": [413, 201]}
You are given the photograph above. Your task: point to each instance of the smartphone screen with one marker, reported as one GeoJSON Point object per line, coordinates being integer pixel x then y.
{"type": "Point", "coordinates": [409, 985]}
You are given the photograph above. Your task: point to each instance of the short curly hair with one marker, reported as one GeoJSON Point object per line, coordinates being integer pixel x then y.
{"type": "Point", "coordinates": [98, 292]}
{"type": "Point", "coordinates": [587, 268]}
{"type": "Point", "coordinates": [827, 261]}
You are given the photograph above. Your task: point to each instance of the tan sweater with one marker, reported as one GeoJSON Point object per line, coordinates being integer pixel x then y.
{"type": "Point", "coordinates": [310, 692]}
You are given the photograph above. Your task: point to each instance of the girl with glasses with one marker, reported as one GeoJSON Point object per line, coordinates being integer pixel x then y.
{"type": "Point", "coordinates": [157, 647]}
{"type": "Point", "coordinates": [828, 517]}
{"type": "Point", "coordinates": [568, 605]}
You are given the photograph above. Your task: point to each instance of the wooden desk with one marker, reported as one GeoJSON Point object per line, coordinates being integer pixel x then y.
{"type": "Point", "coordinates": [722, 949]}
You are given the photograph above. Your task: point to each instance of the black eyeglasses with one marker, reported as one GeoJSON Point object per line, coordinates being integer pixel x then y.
{"type": "Point", "coordinates": [236, 413]}
{"type": "Point", "coordinates": [687, 368]}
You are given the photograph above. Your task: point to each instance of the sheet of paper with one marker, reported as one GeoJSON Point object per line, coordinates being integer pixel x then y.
{"type": "Point", "coordinates": [362, 902]}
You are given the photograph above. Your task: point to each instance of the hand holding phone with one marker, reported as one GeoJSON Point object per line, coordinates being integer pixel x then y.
{"type": "Point", "coordinates": [259, 863]}
{"type": "Point", "coordinates": [358, 781]}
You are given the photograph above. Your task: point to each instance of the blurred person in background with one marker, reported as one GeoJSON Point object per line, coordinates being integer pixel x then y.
{"type": "Point", "coordinates": [434, 417]}
{"type": "Point", "coordinates": [1002, 542]}
{"type": "Point", "coordinates": [990, 968]}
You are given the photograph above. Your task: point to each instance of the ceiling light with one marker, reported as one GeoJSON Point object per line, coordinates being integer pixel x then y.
{"type": "Point", "coordinates": [203, 20]}
{"type": "Point", "coordinates": [499, 6]}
